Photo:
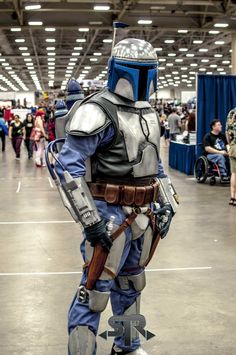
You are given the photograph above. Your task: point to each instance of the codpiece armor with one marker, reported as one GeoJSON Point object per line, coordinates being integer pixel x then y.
{"type": "Point", "coordinates": [113, 137]}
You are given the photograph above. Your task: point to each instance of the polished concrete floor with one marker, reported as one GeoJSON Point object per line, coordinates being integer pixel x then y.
{"type": "Point", "coordinates": [190, 298]}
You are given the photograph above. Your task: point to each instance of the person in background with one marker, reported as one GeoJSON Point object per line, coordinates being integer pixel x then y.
{"type": "Point", "coordinates": [164, 123]}
{"type": "Point", "coordinates": [51, 127]}
{"type": "Point", "coordinates": [215, 144]}
{"type": "Point", "coordinates": [190, 124]}
{"type": "Point", "coordinates": [39, 139]}
{"type": "Point", "coordinates": [3, 131]}
{"type": "Point", "coordinates": [16, 134]}
{"type": "Point", "coordinates": [174, 122]}
{"type": "Point", "coordinates": [231, 139]}
{"type": "Point", "coordinates": [29, 124]}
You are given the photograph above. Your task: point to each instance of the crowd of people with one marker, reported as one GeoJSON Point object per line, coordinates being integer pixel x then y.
{"type": "Point", "coordinates": [34, 131]}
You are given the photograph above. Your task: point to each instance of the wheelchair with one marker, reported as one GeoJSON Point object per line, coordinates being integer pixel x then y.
{"type": "Point", "coordinates": [204, 169]}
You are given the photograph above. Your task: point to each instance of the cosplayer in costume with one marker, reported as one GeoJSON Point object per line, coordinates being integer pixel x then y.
{"type": "Point", "coordinates": [110, 178]}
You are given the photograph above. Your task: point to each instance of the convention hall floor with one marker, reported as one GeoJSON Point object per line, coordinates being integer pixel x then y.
{"type": "Point", "coordinates": [189, 301]}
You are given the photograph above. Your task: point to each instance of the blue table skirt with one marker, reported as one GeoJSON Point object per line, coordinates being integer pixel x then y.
{"type": "Point", "coordinates": [182, 157]}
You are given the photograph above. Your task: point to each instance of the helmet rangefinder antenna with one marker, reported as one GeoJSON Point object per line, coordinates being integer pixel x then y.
{"type": "Point", "coordinates": [116, 25]}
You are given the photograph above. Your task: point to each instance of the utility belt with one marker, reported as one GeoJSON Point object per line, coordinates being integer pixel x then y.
{"type": "Point", "coordinates": [125, 195]}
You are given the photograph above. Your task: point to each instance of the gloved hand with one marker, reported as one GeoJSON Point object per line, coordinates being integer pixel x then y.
{"type": "Point", "coordinates": [164, 217]}
{"type": "Point", "coordinates": [97, 234]}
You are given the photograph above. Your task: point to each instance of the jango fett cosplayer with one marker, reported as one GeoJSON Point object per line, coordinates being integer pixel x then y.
{"type": "Point", "coordinates": [114, 137]}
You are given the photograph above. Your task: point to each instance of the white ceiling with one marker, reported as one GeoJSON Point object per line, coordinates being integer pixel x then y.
{"type": "Point", "coordinates": [25, 65]}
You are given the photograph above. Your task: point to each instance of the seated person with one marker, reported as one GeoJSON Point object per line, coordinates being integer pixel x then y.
{"type": "Point", "coordinates": [214, 144]}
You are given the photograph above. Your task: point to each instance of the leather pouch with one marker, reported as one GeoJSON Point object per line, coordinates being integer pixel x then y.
{"type": "Point", "coordinates": [128, 195]}
{"type": "Point", "coordinates": [140, 193]}
{"type": "Point", "coordinates": [112, 194]}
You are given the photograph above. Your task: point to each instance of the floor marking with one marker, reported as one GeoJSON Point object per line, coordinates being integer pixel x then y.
{"type": "Point", "coordinates": [80, 272]}
{"type": "Point", "coordinates": [36, 222]}
{"type": "Point", "coordinates": [18, 188]}
{"type": "Point", "coordinates": [181, 269]}
{"type": "Point", "coordinates": [50, 182]}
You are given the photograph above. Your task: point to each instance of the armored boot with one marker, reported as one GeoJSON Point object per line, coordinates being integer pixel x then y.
{"type": "Point", "coordinates": [82, 341]}
{"type": "Point", "coordinates": [117, 351]}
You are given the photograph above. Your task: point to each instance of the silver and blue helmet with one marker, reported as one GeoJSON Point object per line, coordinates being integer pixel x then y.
{"type": "Point", "coordinates": [132, 69]}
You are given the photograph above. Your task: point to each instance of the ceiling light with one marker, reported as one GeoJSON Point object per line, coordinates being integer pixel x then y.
{"type": "Point", "coordinates": [213, 65]}
{"type": "Point", "coordinates": [33, 7]}
{"type": "Point", "coordinates": [219, 42]}
{"type": "Point", "coordinates": [183, 49]}
{"type": "Point", "coordinates": [27, 59]}
{"type": "Point", "coordinates": [87, 67]}
{"type": "Point", "coordinates": [51, 53]}
{"type": "Point", "coordinates": [67, 76]}
{"type": "Point", "coordinates": [11, 72]}
{"type": "Point", "coordinates": [222, 72]}
{"type": "Point", "coordinates": [35, 23]}
{"type": "Point", "coordinates": [2, 60]}
{"type": "Point", "coordinates": [93, 59]}
{"type": "Point", "coordinates": [158, 49]}
{"type": "Point", "coordinates": [107, 40]}
{"type": "Point", "coordinates": [25, 54]}
{"type": "Point", "coordinates": [184, 68]}
{"type": "Point", "coordinates": [101, 7]}
{"type": "Point", "coordinates": [50, 40]}
{"type": "Point", "coordinates": [19, 40]}
{"type": "Point", "coordinates": [77, 54]}
{"type": "Point", "coordinates": [51, 59]}
{"type": "Point", "coordinates": [15, 29]}
{"type": "Point", "coordinates": [169, 41]}
{"type": "Point", "coordinates": [162, 59]}
{"type": "Point", "coordinates": [97, 54]}
{"type": "Point", "coordinates": [220, 69]}
{"type": "Point", "coordinates": [78, 48]}
{"type": "Point", "coordinates": [144, 22]}
{"type": "Point", "coordinates": [32, 72]}
{"type": "Point", "coordinates": [190, 55]}
{"type": "Point", "coordinates": [203, 50]}
{"type": "Point", "coordinates": [213, 32]}
{"type": "Point", "coordinates": [8, 68]}
{"type": "Point", "coordinates": [179, 60]}
{"type": "Point", "coordinates": [81, 40]}
{"type": "Point", "coordinates": [197, 41]}
{"type": "Point", "coordinates": [30, 67]}
{"type": "Point", "coordinates": [218, 55]}
{"type": "Point", "coordinates": [192, 72]}
{"type": "Point", "coordinates": [169, 64]}
{"type": "Point", "coordinates": [171, 54]}
{"type": "Point", "coordinates": [95, 22]}
{"type": "Point", "coordinates": [23, 48]}
{"type": "Point", "coordinates": [83, 29]}
{"type": "Point", "coordinates": [230, 51]}
{"type": "Point", "coordinates": [50, 29]}
{"type": "Point", "coordinates": [182, 31]}
{"type": "Point", "coordinates": [205, 60]}
{"type": "Point", "coordinates": [85, 72]}
{"type": "Point", "coordinates": [50, 48]}
{"type": "Point", "coordinates": [202, 69]}
{"type": "Point", "coordinates": [226, 62]}
{"type": "Point", "coordinates": [221, 25]}
{"type": "Point", "coordinates": [73, 59]}
{"type": "Point", "coordinates": [193, 64]}
{"type": "Point", "coordinates": [161, 68]}
{"type": "Point", "coordinates": [157, 7]}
